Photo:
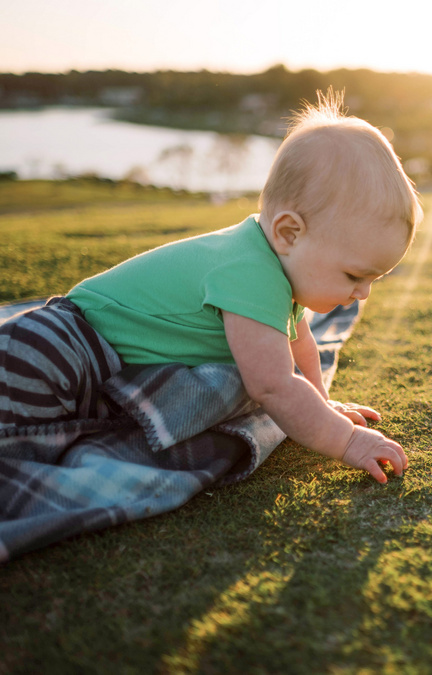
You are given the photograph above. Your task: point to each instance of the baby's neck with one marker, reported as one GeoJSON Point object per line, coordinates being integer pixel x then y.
{"type": "Point", "coordinates": [263, 221]}
{"type": "Point", "coordinates": [266, 228]}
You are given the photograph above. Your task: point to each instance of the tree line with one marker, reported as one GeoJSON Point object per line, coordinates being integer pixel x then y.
{"type": "Point", "coordinates": [240, 103]}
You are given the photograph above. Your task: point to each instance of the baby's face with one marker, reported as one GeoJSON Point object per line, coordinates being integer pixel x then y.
{"type": "Point", "coordinates": [336, 265]}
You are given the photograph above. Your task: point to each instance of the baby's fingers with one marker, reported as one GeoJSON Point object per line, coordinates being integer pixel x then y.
{"type": "Point", "coordinates": [367, 447]}
{"type": "Point", "coordinates": [372, 466]}
{"type": "Point", "coordinates": [355, 412]}
{"type": "Point", "coordinates": [365, 411]}
{"type": "Point", "coordinates": [354, 416]}
{"type": "Point", "coordinates": [391, 457]}
{"type": "Point", "coordinates": [396, 457]}
{"type": "Point", "coordinates": [398, 450]}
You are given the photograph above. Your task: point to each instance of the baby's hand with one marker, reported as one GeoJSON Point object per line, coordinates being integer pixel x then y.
{"type": "Point", "coordinates": [367, 447]}
{"type": "Point", "coordinates": [356, 413]}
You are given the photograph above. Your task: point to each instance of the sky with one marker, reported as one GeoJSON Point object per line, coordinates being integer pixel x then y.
{"type": "Point", "coordinates": [244, 36]}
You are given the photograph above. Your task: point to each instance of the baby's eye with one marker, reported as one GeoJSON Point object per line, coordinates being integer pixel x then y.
{"type": "Point", "coordinates": [352, 277]}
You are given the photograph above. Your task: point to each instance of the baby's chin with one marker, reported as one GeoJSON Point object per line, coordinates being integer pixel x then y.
{"type": "Point", "coordinates": [323, 308]}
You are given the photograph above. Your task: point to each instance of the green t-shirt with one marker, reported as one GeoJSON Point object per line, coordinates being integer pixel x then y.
{"type": "Point", "coordinates": [164, 305]}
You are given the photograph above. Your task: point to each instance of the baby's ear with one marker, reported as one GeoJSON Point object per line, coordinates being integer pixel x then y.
{"type": "Point", "coordinates": [286, 229]}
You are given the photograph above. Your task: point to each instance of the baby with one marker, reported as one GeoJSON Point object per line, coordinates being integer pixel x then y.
{"type": "Point", "coordinates": [336, 213]}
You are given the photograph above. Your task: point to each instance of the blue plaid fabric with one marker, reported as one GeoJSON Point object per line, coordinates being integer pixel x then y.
{"type": "Point", "coordinates": [164, 433]}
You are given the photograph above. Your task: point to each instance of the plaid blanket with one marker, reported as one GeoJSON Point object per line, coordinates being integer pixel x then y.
{"type": "Point", "coordinates": [176, 431]}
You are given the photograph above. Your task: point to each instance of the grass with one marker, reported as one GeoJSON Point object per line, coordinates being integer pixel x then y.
{"type": "Point", "coordinates": [46, 248]}
{"type": "Point", "coordinates": [306, 567]}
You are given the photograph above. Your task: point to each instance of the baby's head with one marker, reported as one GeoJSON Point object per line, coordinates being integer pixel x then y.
{"type": "Point", "coordinates": [336, 168]}
{"type": "Point", "coordinates": [337, 207]}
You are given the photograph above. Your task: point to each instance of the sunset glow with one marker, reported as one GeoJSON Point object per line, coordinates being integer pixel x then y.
{"type": "Point", "coordinates": [224, 35]}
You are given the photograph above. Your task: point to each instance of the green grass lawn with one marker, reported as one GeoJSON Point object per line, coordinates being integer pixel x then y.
{"type": "Point", "coordinates": [306, 568]}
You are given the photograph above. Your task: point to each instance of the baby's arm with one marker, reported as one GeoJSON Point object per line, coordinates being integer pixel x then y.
{"type": "Point", "coordinates": [305, 353]}
{"type": "Point", "coordinates": [264, 358]}
{"type": "Point", "coordinates": [306, 356]}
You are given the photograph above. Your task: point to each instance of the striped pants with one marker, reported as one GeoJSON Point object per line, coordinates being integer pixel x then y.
{"type": "Point", "coordinates": [52, 363]}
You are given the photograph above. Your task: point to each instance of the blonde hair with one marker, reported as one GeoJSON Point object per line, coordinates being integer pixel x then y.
{"type": "Point", "coordinates": [331, 163]}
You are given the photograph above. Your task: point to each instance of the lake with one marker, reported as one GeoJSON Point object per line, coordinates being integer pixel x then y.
{"type": "Point", "coordinates": [60, 142]}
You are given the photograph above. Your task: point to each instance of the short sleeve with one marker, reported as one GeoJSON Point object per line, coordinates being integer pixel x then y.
{"type": "Point", "coordinates": [256, 290]}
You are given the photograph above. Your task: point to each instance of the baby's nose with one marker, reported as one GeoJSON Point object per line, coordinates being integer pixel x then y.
{"type": "Point", "coordinates": [362, 291]}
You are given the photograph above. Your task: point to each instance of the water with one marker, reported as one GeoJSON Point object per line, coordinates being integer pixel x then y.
{"type": "Point", "coordinates": [61, 142]}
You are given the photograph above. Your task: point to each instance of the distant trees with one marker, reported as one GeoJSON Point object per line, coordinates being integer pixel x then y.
{"type": "Point", "coordinates": [378, 93]}
{"type": "Point", "coordinates": [228, 102]}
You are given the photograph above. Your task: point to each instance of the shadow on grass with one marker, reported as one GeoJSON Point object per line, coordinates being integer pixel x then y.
{"type": "Point", "coordinates": [295, 604]}
{"type": "Point", "coordinates": [300, 569]}
{"type": "Point", "coordinates": [341, 582]}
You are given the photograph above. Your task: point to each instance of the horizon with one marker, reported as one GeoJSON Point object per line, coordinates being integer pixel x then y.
{"type": "Point", "coordinates": [215, 71]}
